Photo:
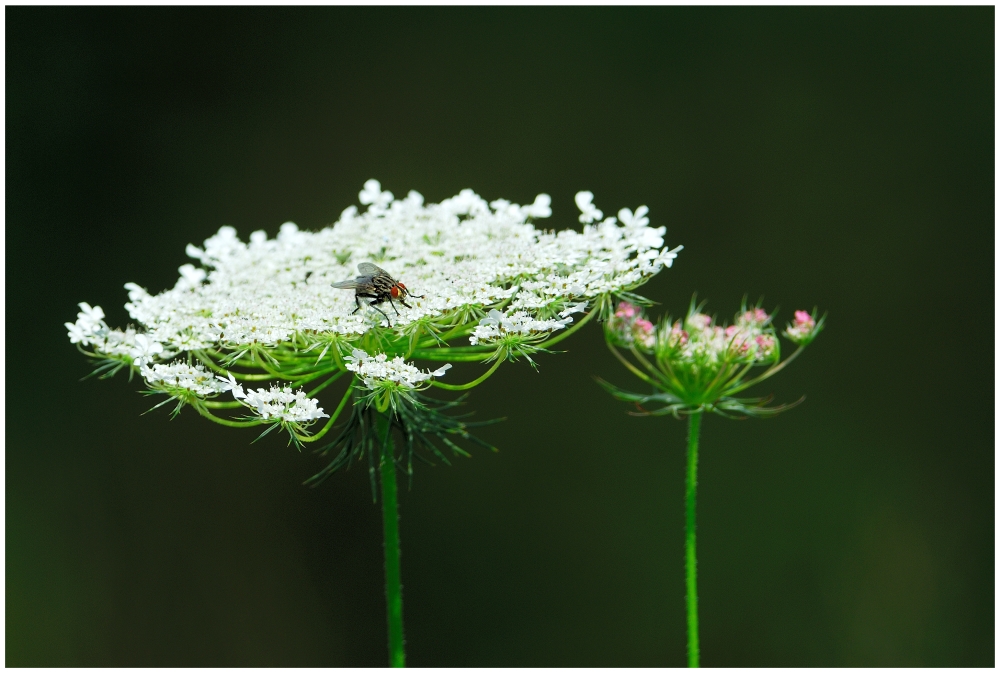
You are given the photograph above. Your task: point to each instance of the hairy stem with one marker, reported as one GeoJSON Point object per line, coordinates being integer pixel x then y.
{"type": "Point", "coordinates": [691, 559]}
{"type": "Point", "coordinates": [390, 519]}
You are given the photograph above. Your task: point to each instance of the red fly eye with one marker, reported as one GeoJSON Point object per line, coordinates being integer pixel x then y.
{"type": "Point", "coordinates": [394, 291]}
{"type": "Point", "coordinates": [402, 286]}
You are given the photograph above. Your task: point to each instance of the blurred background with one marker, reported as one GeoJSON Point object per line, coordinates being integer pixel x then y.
{"type": "Point", "coordinates": [839, 157]}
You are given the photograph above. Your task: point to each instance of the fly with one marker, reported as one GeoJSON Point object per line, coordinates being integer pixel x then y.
{"type": "Point", "coordinates": [376, 284]}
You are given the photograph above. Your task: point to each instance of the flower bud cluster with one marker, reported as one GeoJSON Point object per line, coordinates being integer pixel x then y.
{"type": "Point", "coordinates": [700, 365]}
{"type": "Point", "coordinates": [497, 326]}
{"type": "Point", "coordinates": [699, 341]}
{"type": "Point", "coordinates": [378, 370]}
{"type": "Point", "coordinates": [628, 327]}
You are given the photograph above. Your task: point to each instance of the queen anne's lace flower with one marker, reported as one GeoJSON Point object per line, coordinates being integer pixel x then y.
{"type": "Point", "coordinates": [637, 219]}
{"type": "Point", "coordinates": [750, 338]}
{"type": "Point", "coordinates": [230, 384]}
{"type": "Point", "coordinates": [373, 196]}
{"type": "Point", "coordinates": [472, 282]}
{"type": "Point", "coordinates": [144, 350]}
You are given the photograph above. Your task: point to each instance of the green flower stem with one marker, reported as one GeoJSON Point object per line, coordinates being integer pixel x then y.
{"type": "Point", "coordinates": [446, 354]}
{"type": "Point", "coordinates": [208, 362]}
{"type": "Point", "coordinates": [480, 348]}
{"type": "Point", "coordinates": [632, 368]}
{"type": "Point", "coordinates": [390, 520]}
{"type": "Point", "coordinates": [332, 419]}
{"type": "Point", "coordinates": [225, 421]}
{"type": "Point", "coordinates": [714, 387]}
{"type": "Point", "coordinates": [641, 359]}
{"type": "Point", "coordinates": [458, 330]}
{"type": "Point", "coordinates": [292, 374]}
{"type": "Point", "coordinates": [315, 391]}
{"type": "Point", "coordinates": [771, 371]}
{"type": "Point", "coordinates": [222, 405]}
{"type": "Point", "coordinates": [470, 384]}
{"type": "Point", "coordinates": [691, 559]}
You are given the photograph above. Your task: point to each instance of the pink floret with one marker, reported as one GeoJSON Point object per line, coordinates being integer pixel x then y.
{"type": "Point", "coordinates": [625, 310]}
{"type": "Point", "coordinates": [757, 315]}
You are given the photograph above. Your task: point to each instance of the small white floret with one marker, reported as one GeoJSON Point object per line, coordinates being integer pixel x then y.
{"type": "Point", "coordinates": [144, 350]}
{"type": "Point", "coordinates": [589, 212]}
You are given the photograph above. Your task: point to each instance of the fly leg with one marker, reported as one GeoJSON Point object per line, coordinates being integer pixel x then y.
{"type": "Point", "coordinates": [375, 299]}
{"type": "Point", "coordinates": [357, 301]}
{"type": "Point", "coordinates": [379, 301]}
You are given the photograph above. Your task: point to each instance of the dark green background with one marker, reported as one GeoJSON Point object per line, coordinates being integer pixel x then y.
{"type": "Point", "coordinates": [832, 157]}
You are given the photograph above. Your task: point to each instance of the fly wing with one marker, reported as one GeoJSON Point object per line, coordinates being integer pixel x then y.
{"type": "Point", "coordinates": [348, 284]}
{"type": "Point", "coordinates": [369, 269]}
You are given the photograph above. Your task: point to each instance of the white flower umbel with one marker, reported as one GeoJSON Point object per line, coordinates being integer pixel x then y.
{"type": "Point", "coordinates": [89, 327]}
{"type": "Point", "coordinates": [281, 403]}
{"type": "Point", "coordinates": [377, 370]}
{"type": "Point", "coordinates": [463, 280]}
{"type": "Point", "coordinates": [183, 377]}
{"type": "Point", "coordinates": [498, 326]}
{"type": "Point", "coordinates": [388, 379]}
